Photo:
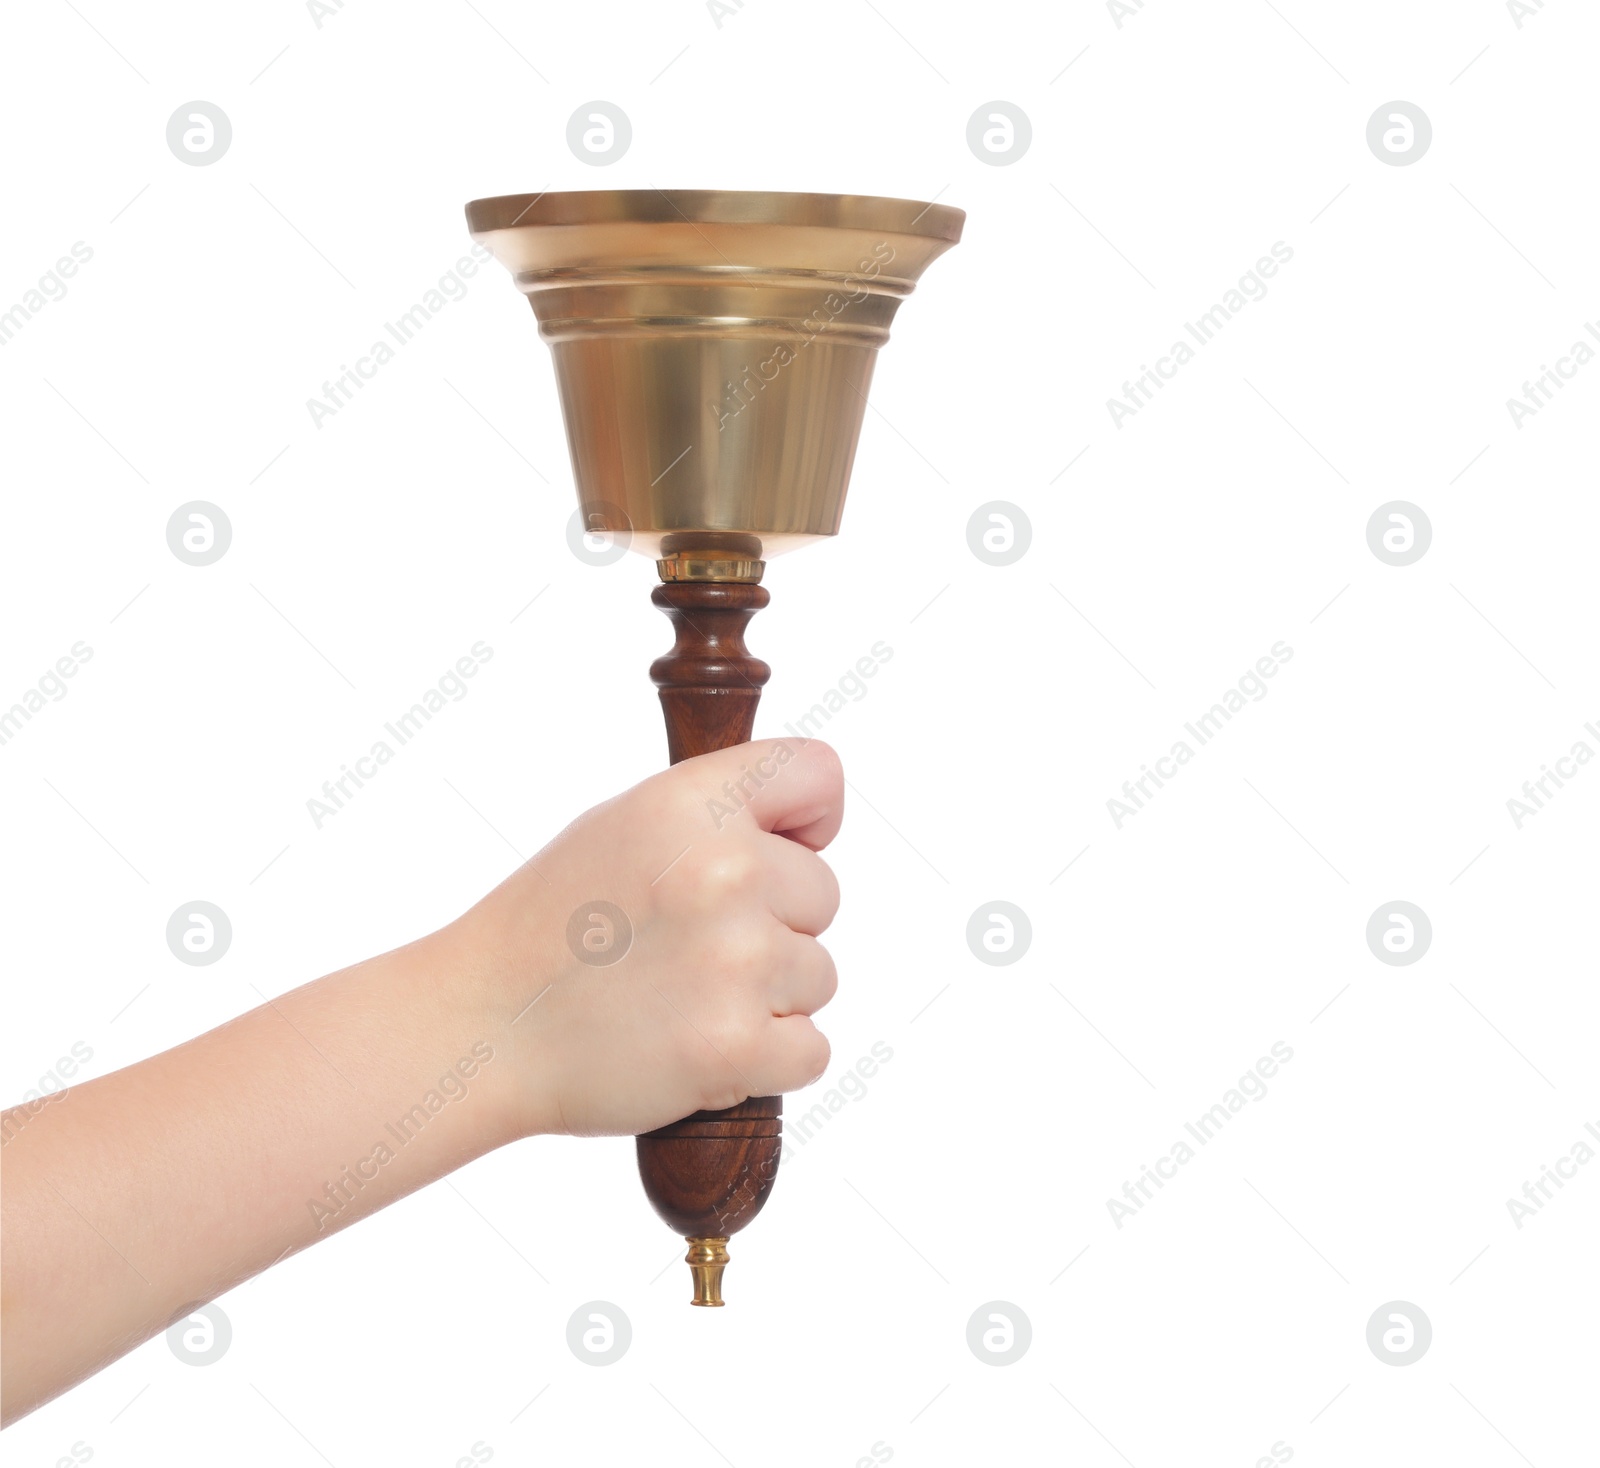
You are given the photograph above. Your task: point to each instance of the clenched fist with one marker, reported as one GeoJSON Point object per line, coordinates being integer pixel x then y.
{"type": "Point", "coordinates": [660, 956]}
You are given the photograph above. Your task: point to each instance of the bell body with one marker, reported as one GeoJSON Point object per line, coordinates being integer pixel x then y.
{"type": "Point", "coordinates": [713, 353]}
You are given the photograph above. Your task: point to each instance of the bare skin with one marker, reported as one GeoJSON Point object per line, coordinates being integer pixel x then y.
{"type": "Point", "coordinates": [130, 1199]}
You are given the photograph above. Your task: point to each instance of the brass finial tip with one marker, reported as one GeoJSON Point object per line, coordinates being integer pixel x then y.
{"type": "Point", "coordinates": [707, 1258]}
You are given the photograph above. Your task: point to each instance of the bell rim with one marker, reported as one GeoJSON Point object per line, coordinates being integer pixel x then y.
{"type": "Point", "coordinates": [862, 212]}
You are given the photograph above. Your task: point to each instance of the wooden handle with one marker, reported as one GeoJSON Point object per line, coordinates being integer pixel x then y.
{"type": "Point", "coordinates": [709, 1174]}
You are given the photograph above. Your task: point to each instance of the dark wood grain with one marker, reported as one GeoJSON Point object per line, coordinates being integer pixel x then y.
{"type": "Point", "coordinates": [709, 1174]}
{"type": "Point", "coordinates": [710, 685]}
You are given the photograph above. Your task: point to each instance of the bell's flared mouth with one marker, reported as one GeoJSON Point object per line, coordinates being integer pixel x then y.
{"type": "Point", "coordinates": [713, 350]}
{"type": "Point", "coordinates": [718, 206]}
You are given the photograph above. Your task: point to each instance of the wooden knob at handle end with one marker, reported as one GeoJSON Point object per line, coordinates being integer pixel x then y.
{"type": "Point", "coordinates": [708, 1176]}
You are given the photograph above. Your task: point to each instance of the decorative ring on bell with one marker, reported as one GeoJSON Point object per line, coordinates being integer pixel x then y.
{"type": "Point", "coordinates": [579, 328]}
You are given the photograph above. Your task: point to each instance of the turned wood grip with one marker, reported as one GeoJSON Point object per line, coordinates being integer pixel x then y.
{"type": "Point", "coordinates": [708, 1174]}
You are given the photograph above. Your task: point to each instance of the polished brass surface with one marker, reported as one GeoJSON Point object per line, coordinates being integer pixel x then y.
{"type": "Point", "coordinates": [710, 556]}
{"type": "Point", "coordinates": [713, 353]}
{"type": "Point", "coordinates": [707, 1258]}
{"type": "Point", "coordinates": [709, 568]}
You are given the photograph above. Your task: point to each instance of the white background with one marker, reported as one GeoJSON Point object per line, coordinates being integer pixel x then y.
{"type": "Point", "coordinates": [1169, 153]}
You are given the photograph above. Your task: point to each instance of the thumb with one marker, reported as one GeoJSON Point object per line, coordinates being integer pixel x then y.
{"type": "Point", "coordinates": [792, 787]}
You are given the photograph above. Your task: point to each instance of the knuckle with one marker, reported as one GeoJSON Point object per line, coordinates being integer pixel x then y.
{"type": "Point", "coordinates": [722, 1095]}
{"type": "Point", "coordinates": [679, 797]}
{"type": "Point", "coordinates": [736, 1037]}
{"type": "Point", "coordinates": [743, 950]}
{"type": "Point", "coordinates": [666, 797]}
{"type": "Point", "coordinates": [721, 876]}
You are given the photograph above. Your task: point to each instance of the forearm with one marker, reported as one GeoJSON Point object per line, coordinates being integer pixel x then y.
{"type": "Point", "coordinates": [169, 1182]}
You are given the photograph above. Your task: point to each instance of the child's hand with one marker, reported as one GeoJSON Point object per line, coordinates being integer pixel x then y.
{"type": "Point", "coordinates": [660, 956]}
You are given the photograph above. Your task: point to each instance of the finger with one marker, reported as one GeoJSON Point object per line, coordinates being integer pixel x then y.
{"type": "Point", "coordinates": [796, 1053]}
{"type": "Point", "coordinates": [799, 886]}
{"type": "Point", "coordinates": [805, 978]}
{"type": "Point", "coordinates": [812, 814]}
{"type": "Point", "coordinates": [794, 787]}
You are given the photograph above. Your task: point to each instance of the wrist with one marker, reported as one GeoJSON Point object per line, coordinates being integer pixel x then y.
{"type": "Point", "coordinates": [453, 1058]}
{"type": "Point", "coordinates": [493, 1000]}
